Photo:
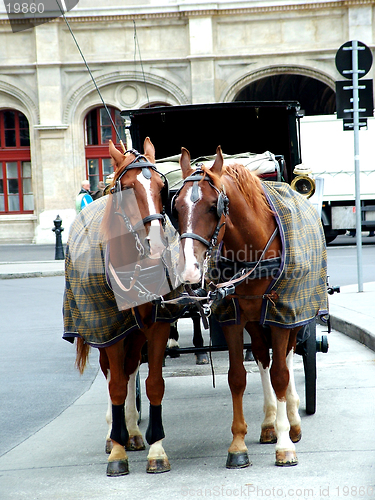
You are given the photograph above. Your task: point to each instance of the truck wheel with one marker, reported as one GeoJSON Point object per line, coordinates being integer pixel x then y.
{"type": "Point", "coordinates": [330, 235]}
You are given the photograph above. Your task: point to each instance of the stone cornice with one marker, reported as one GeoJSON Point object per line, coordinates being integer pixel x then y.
{"type": "Point", "coordinates": [193, 10]}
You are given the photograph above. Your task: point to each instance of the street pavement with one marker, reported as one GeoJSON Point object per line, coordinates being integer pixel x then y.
{"type": "Point", "coordinates": [65, 459]}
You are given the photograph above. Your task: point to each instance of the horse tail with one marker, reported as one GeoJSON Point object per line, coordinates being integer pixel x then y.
{"type": "Point", "coordinates": [82, 350]}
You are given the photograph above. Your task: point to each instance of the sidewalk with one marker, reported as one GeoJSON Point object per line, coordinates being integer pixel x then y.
{"type": "Point", "coordinates": [351, 312]}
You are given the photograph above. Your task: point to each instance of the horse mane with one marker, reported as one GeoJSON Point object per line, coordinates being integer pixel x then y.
{"type": "Point", "coordinates": [247, 183]}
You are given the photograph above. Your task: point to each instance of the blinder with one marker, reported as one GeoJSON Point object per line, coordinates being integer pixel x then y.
{"type": "Point", "coordinates": [222, 204]}
{"type": "Point", "coordinates": [222, 207]}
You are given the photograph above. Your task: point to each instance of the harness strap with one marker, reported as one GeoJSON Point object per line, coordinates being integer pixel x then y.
{"type": "Point", "coordinates": [148, 218]}
{"type": "Point", "coordinates": [235, 281]}
{"type": "Point", "coordinates": [191, 292]}
{"type": "Point", "coordinates": [137, 271]}
{"type": "Point", "coordinates": [272, 296]}
{"type": "Point", "coordinates": [195, 237]}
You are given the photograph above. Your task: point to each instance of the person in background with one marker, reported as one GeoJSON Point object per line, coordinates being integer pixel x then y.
{"type": "Point", "coordinates": [84, 197]}
{"type": "Point", "coordinates": [85, 187]}
{"type": "Point", "coordinates": [99, 192]}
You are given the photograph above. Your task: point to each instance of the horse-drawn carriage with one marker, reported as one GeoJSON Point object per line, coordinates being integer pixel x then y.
{"type": "Point", "coordinates": [124, 274]}
{"type": "Point", "coordinates": [264, 136]}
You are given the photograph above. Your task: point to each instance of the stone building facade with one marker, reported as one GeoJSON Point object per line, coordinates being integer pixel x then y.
{"type": "Point", "coordinates": [148, 52]}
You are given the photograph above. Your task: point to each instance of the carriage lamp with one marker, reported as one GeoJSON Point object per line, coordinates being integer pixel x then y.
{"type": "Point", "coordinates": [303, 183]}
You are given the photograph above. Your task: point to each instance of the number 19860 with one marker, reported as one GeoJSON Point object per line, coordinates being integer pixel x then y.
{"type": "Point", "coordinates": [25, 8]}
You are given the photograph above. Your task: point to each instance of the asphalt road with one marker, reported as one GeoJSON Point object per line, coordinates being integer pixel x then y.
{"type": "Point", "coordinates": [37, 373]}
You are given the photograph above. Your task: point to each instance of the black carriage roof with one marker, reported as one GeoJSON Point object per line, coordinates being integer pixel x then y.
{"type": "Point", "coordinates": [238, 127]}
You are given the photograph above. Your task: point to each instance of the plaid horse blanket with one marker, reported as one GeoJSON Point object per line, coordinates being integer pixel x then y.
{"type": "Point", "coordinates": [301, 280]}
{"type": "Point", "coordinates": [90, 308]}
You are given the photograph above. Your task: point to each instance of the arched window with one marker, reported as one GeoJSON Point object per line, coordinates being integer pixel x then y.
{"type": "Point", "coordinates": [98, 131]}
{"type": "Point", "coordinates": [16, 193]}
{"type": "Point", "coordinates": [314, 96]}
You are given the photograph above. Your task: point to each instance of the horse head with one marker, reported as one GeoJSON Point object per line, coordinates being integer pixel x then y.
{"type": "Point", "coordinates": [200, 206]}
{"type": "Point", "coordinates": [135, 213]}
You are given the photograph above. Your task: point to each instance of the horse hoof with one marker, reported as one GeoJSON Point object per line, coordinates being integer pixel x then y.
{"type": "Point", "coordinates": [249, 356]}
{"type": "Point", "coordinates": [118, 468]}
{"type": "Point", "coordinates": [108, 446]}
{"type": "Point", "coordinates": [268, 435]}
{"type": "Point", "coordinates": [201, 358]}
{"type": "Point", "coordinates": [237, 460]}
{"type": "Point", "coordinates": [158, 465]}
{"type": "Point", "coordinates": [286, 458]}
{"type": "Point", "coordinates": [173, 348]}
{"type": "Point", "coordinates": [135, 443]}
{"type": "Point", "coordinates": [295, 433]}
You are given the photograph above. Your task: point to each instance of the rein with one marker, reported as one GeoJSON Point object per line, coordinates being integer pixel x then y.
{"type": "Point", "coordinates": [227, 288]}
{"type": "Point", "coordinates": [140, 161]}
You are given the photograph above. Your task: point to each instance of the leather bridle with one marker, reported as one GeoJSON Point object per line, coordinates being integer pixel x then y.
{"type": "Point", "coordinates": [221, 210]}
{"type": "Point", "coordinates": [140, 161]}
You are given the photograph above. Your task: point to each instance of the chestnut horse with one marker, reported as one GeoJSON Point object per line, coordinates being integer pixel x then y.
{"type": "Point", "coordinates": [97, 317]}
{"type": "Point", "coordinates": [228, 205]}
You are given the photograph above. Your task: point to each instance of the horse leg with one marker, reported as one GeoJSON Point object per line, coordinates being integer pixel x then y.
{"type": "Point", "coordinates": [280, 377]}
{"type": "Point", "coordinates": [260, 350]}
{"type": "Point", "coordinates": [173, 344]}
{"type": "Point", "coordinates": [157, 337]}
{"type": "Point", "coordinates": [117, 460]}
{"type": "Point", "coordinates": [201, 358]}
{"type": "Point", "coordinates": [292, 401]}
{"type": "Point", "coordinates": [135, 441]}
{"type": "Point", "coordinates": [237, 452]}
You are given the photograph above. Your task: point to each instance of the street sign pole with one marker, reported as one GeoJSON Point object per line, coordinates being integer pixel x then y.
{"type": "Point", "coordinates": [360, 60]}
{"type": "Point", "coordinates": [358, 211]}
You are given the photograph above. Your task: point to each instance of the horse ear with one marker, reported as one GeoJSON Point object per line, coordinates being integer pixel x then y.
{"type": "Point", "coordinates": [185, 162]}
{"type": "Point", "coordinates": [218, 163]}
{"type": "Point", "coordinates": [149, 150]}
{"type": "Point", "coordinates": [116, 155]}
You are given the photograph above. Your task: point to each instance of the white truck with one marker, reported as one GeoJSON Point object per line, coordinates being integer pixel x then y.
{"type": "Point", "coordinates": [329, 152]}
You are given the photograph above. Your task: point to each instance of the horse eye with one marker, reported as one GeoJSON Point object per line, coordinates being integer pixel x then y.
{"type": "Point", "coordinates": [213, 209]}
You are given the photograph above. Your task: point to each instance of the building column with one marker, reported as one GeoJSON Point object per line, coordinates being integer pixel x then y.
{"type": "Point", "coordinates": [54, 151]}
{"type": "Point", "coordinates": [202, 61]}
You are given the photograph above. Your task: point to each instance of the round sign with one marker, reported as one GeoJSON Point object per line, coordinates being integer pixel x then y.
{"type": "Point", "coordinates": [82, 201]}
{"type": "Point", "coordinates": [344, 59]}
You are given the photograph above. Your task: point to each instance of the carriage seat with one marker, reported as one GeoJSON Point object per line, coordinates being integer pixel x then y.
{"type": "Point", "coordinates": [266, 165]}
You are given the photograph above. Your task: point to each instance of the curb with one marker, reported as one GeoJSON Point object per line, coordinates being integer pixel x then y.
{"type": "Point", "coordinates": [353, 331]}
{"type": "Point", "coordinates": [31, 274]}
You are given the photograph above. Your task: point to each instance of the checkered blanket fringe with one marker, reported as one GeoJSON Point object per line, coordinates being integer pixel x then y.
{"type": "Point", "coordinates": [90, 309]}
{"type": "Point", "coordinates": [301, 282]}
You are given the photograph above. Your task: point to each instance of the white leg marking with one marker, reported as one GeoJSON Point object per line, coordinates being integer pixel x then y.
{"type": "Point", "coordinates": [292, 399]}
{"type": "Point", "coordinates": [131, 412]}
{"type": "Point", "coordinates": [269, 405]}
{"type": "Point", "coordinates": [157, 451]}
{"type": "Point", "coordinates": [108, 415]}
{"type": "Point", "coordinates": [282, 428]}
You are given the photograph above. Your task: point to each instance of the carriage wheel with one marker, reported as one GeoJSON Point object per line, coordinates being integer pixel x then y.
{"type": "Point", "coordinates": [138, 401]}
{"type": "Point", "coordinates": [309, 362]}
